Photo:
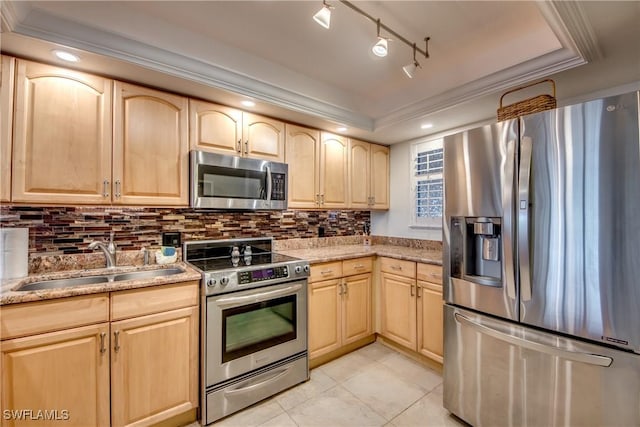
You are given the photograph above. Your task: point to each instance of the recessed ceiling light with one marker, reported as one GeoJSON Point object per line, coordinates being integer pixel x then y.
{"type": "Point", "coordinates": [342, 129]}
{"type": "Point", "coordinates": [66, 56]}
{"type": "Point", "coordinates": [248, 103]}
{"type": "Point", "coordinates": [427, 126]}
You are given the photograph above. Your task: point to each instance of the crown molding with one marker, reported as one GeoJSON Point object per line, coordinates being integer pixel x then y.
{"type": "Point", "coordinates": [58, 30]}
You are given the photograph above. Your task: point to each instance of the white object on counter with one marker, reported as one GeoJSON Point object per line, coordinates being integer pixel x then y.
{"type": "Point", "coordinates": [14, 253]}
{"type": "Point", "coordinates": [168, 259]}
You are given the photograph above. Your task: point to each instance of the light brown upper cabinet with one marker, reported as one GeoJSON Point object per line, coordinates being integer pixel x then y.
{"type": "Point", "coordinates": [7, 68]}
{"type": "Point", "coordinates": [62, 136]}
{"type": "Point", "coordinates": [379, 187]}
{"type": "Point", "coordinates": [151, 147]}
{"type": "Point", "coordinates": [226, 130]}
{"type": "Point", "coordinates": [334, 160]}
{"type": "Point", "coordinates": [302, 154]}
{"type": "Point", "coordinates": [359, 174]}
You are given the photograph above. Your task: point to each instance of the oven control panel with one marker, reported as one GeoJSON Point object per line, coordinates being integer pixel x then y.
{"type": "Point", "coordinates": [262, 274]}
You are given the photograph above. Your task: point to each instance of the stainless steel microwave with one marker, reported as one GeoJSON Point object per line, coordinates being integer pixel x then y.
{"type": "Point", "coordinates": [220, 181]}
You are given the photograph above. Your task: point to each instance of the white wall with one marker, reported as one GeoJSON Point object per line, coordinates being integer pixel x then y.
{"type": "Point", "coordinates": [395, 221]}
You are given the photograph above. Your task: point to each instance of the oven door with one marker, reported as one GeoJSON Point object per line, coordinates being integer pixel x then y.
{"type": "Point", "coordinates": [250, 329]}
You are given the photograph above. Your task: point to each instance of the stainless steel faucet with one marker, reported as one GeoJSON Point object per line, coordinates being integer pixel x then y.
{"type": "Point", "coordinates": [109, 250]}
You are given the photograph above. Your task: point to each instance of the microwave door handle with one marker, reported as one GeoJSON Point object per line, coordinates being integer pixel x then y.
{"type": "Point", "coordinates": [269, 182]}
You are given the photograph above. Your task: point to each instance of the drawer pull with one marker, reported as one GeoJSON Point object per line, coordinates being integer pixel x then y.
{"type": "Point", "coordinates": [358, 266]}
{"type": "Point", "coordinates": [396, 267]}
{"type": "Point", "coordinates": [103, 336]}
{"type": "Point", "coordinates": [116, 336]}
{"type": "Point", "coordinates": [323, 272]}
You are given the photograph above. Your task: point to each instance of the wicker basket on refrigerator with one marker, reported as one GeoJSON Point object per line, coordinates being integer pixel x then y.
{"type": "Point", "coordinates": [530, 105]}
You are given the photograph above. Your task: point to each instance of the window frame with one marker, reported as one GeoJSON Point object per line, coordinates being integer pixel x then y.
{"type": "Point", "coordinates": [420, 147]}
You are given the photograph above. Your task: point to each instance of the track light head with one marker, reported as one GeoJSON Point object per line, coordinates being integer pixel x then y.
{"type": "Point", "coordinates": [411, 68]}
{"type": "Point", "coordinates": [323, 16]}
{"type": "Point", "coordinates": [381, 48]}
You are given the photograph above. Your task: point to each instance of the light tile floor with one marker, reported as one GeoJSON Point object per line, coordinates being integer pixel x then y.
{"type": "Point", "coordinates": [373, 386]}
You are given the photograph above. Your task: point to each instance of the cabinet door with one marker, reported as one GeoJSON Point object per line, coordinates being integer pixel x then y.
{"type": "Point", "coordinates": [430, 320]}
{"type": "Point", "coordinates": [7, 70]}
{"type": "Point", "coordinates": [263, 137]}
{"type": "Point", "coordinates": [64, 371]}
{"type": "Point", "coordinates": [215, 128]}
{"type": "Point", "coordinates": [334, 156]}
{"type": "Point", "coordinates": [356, 302]}
{"type": "Point", "coordinates": [379, 177]}
{"type": "Point", "coordinates": [154, 367]}
{"type": "Point", "coordinates": [151, 147]}
{"type": "Point", "coordinates": [302, 154]}
{"type": "Point", "coordinates": [359, 174]}
{"type": "Point", "coordinates": [399, 309]}
{"type": "Point", "coordinates": [324, 317]}
{"type": "Point", "coordinates": [62, 136]}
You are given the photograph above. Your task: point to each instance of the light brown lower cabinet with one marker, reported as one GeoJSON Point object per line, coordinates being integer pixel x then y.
{"type": "Point", "coordinates": [339, 304]}
{"type": "Point", "coordinates": [139, 369]}
{"type": "Point", "coordinates": [411, 306]}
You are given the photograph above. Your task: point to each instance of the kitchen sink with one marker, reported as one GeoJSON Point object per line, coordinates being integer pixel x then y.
{"type": "Point", "coordinates": [63, 283]}
{"type": "Point", "coordinates": [103, 278]}
{"type": "Point", "coordinates": [148, 274]}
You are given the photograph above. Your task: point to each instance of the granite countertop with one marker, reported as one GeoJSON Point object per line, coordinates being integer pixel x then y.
{"type": "Point", "coordinates": [342, 252]}
{"type": "Point", "coordinates": [9, 296]}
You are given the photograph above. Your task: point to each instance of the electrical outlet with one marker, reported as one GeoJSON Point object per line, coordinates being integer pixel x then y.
{"type": "Point", "coordinates": [171, 239]}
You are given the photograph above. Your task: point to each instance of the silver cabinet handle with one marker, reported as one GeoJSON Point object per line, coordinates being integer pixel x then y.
{"type": "Point", "coordinates": [396, 267]}
{"type": "Point", "coordinates": [239, 146]}
{"type": "Point", "coordinates": [103, 347]}
{"type": "Point", "coordinates": [592, 359]}
{"type": "Point", "coordinates": [346, 288]}
{"type": "Point", "coordinates": [116, 340]}
{"type": "Point", "coordinates": [322, 200]}
{"type": "Point", "coordinates": [323, 272]}
{"type": "Point", "coordinates": [523, 218]}
{"type": "Point", "coordinates": [419, 294]}
{"type": "Point", "coordinates": [358, 266]}
{"type": "Point", "coordinates": [246, 147]}
{"type": "Point", "coordinates": [413, 292]}
{"type": "Point", "coordinates": [105, 188]}
{"type": "Point", "coordinates": [318, 199]}
{"type": "Point", "coordinates": [118, 185]}
{"type": "Point", "coordinates": [341, 291]}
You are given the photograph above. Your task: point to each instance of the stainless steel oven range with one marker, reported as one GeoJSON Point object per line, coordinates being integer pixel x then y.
{"type": "Point", "coordinates": [254, 322]}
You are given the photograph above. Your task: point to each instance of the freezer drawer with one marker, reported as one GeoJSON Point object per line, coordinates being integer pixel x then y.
{"type": "Point", "coordinates": [497, 373]}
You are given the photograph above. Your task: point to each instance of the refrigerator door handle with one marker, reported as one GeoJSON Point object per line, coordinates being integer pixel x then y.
{"type": "Point", "coordinates": [591, 359]}
{"type": "Point", "coordinates": [524, 178]}
{"type": "Point", "coordinates": [508, 221]}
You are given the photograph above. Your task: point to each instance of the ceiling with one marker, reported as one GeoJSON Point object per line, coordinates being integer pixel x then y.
{"type": "Point", "coordinates": [275, 54]}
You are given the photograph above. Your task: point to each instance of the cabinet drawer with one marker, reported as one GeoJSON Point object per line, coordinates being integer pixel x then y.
{"type": "Point", "coordinates": [139, 302]}
{"type": "Point", "coordinates": [32, 318]}
{"type": "Point", "coordinates": [357, 266]}
{"type": "Point", "coordinates": [398, 267]}
{"type": "Point", "coordinates": [325, 271]}
{"type": "Point", "coordinates": [430, 273]}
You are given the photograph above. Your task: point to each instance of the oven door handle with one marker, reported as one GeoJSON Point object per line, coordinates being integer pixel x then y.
{"type": "Point", "coordinates": [272, 378]}
{"type": "Point", "coordinates": [259, 297]}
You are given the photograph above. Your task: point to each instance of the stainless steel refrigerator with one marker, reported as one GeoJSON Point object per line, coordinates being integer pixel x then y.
{"type": "Point", "coordinates": [542, 268]}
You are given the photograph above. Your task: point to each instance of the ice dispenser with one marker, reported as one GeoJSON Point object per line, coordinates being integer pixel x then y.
{"type": "Point", "coordinates": [476, 250]}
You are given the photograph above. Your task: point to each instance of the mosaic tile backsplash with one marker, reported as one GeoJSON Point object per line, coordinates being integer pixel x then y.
{"type": "Point", "coordinates": [69, 230]}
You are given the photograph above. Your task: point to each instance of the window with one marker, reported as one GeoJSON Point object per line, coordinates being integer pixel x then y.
{"type": "Point", "coordinates": [427, 184]}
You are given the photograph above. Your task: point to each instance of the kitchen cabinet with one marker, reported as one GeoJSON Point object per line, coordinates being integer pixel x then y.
{"type": "Point", "coordinates": [7, 77]}
{"type": "Point", "coordinates": [62, 136]}
{"type": "Point", "coordinates": [430, 311]}
{"type": "Point", "coordinates": [359, 174]}
{"type": "Point", "coordinates": [411, 306]}
{"type": "Point", "coordinates": [54, 357]}
{"type": "Point", "coordinates": [334, 160]}
{"type": "Point", "coordinates": [302, 154]}
{"type": "Point", "coordinates": [380, 177]}
{"type": "Point", "coordinates": [339, 305]}
{"type": "Point", "coordinates": [225, 130]}
{"type": "Point", "coordinates": [128, 358]}
{"type": "Point", "coordinates": [150, 147]}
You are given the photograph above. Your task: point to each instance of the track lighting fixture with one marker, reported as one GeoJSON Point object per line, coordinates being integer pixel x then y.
{"type": "Point", "coordinates": [411, 68]}
{"type": "Point", "coordinates": [323, 16]}
{"type": "Point", "coordinates": [381, 48]}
